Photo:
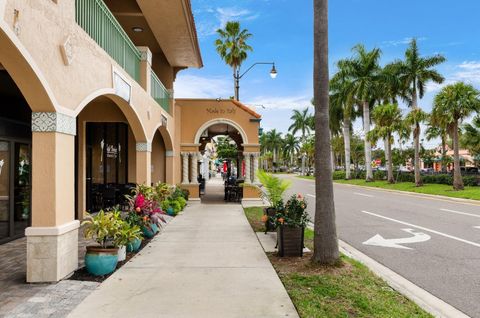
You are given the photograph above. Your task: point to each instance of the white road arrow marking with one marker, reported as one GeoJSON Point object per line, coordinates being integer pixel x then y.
{"type": "Point", "coordinates": [379, 240]}
{"type": "Point", "coordinates": [476, 227]}
{"type": "Point", "coordinates": [363, 194]}
{"type": "Point", "coordinates": [424, 229]}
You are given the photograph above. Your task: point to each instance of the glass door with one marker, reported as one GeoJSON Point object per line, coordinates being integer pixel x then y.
{"type": "Point", "coordinates": [21, 186]}
{"type": "Point", "coordinates": [4, 190]}
{"type": "Point", "coordinates": [15, 189]}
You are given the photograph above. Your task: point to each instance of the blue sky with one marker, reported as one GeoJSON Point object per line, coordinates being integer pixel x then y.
{"type": "Point", "coordinates": [283, 32]}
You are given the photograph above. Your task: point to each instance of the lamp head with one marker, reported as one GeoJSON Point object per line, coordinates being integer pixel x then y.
{"type": "Point", "coordinates": [273, 72]}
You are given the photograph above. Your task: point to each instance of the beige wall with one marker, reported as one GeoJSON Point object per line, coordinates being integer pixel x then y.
{"type": "Point", "coordinates": [197, 112]}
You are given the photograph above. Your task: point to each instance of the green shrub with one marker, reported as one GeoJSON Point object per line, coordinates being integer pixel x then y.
{"type": "Point", "coordinates": [471, 181]}
{"type": "Point", "coordinates": [339, 175]}
{"type": "Point", "coordinates": [176, 206]}
{"type": "Point", "coordinates": [182, 202]}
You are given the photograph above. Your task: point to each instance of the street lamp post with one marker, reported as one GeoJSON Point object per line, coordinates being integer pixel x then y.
{"type": "Point", "coordinates": [237, 76]}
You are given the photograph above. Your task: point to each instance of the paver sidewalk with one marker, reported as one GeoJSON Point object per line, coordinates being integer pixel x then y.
{"type": "Point", "coordinates": [207, 263]}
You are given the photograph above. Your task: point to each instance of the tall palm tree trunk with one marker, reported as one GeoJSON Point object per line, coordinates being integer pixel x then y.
{"type": "Point", "coordinates": [325, 232]}
{"type": "Point", "coordinates": [388, 153]}
{"type": "Point", "coordinates": [444, 153]}
{"type": "Point", "coordinates": [457, 176]}
{"type": "Point", "coordinates": [332, 154]}
{"type": "Point", "coordinates": [236, 84]}
{"type": "Point", "coordinates": [416, 136]}
{"type": "Point", "coordinates": [368, 145]}
{"type": "Point", "coordinates": [346, 138]}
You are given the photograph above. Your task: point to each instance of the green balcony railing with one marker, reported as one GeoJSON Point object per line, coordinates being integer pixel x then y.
{"type": "Point", "coordinates": [98, 21]}
{"type": "Point", "coordinates": [159, 92]}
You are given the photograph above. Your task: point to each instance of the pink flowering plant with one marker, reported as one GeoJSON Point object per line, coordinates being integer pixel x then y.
{"type": "Point", "coordinates": [146, 209]}
{"type": "Point", "coordinates": [293, 213]}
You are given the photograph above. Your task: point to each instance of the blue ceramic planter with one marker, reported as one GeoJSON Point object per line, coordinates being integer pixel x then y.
{"type": "Point", "coordinates": [134, 245]}
{"type": "Point", "coordinates": [150, 232]}
{"type": "Point", "coordinates": [170, 211]}
{"type": "Point", "coordinates": [101, 261]}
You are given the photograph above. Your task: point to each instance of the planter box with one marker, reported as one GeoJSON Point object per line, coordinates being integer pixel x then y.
{"type": "Point", "coordinates": [290, 241]}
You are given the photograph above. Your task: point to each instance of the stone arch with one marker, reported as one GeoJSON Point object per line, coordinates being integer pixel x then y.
{"type": "Point", "coordinates": [128, 110]}
{"type": "Point", "coordinates": [25, 73]}
{"type": "Point", "coordinates": [166, 135]}
{"type": "Point", "coordinates": [220, 121]}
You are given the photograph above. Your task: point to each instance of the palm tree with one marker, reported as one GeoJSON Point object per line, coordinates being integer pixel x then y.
{"type": "Point", "coordinates": [232, 47]}
{"type": "Point", "coordinates": [290, 147]}
{"type": "Point", "coordinates": [325, 232]}
{"type": "Point", "coordinates": [364, 75]}
{"type": "Point", "coordinates": [414, 73]}
{"type": "Point", "coordinates": [301, 123]}
{"type": "Point", "coordinates": [413, 119]}
{"type": "Point", "coordinates": [438, 128]}
{"type": "Point", "coordinates": [341, 103]}
{"type": "Point", "coordinates": [274, 142]}
{"type": "Point", "coordinates": [456, 102]}
{"type": "Point", "coordinates": [388, 120]}
{"type": "Point", "coordinates": [471, 137]}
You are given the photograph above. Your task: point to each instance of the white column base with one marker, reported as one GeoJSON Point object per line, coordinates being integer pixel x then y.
{"type": "Point", "coordinates": [52, 252]}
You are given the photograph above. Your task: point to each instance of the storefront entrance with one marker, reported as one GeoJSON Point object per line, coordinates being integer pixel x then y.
{"type": "Point", "coordinates": [15, 188]}
{"type": "Point", "coordinates": [106, 165]}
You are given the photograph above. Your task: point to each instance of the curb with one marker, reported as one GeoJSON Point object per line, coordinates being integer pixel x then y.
{"type": "Point", "coordinates": [420, 296]}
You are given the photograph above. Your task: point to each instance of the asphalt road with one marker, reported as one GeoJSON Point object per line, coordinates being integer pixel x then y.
{"type": "Point", "coordinates": [433, 242]}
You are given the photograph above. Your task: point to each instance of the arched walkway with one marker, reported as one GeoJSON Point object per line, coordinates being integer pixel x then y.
{"type": "Point", "coordinates": [202, 121]}
{"type": "Point", "coordinates": [112, 153]}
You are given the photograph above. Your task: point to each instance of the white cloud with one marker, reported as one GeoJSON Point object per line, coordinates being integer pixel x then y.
{"type": "Point", "coordinates": [210, 20]}
{"type": "Point", "coordinates": [192, 86]}
{"type": "Point", "coordinates": [467, 71]}
{"type": "Point", "coordinates": [281, 102]}
{"type": "Point", "coordinates": [403, 41]}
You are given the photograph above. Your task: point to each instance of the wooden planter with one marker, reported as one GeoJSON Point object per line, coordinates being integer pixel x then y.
{"type": "Point", "coordinates": [269, 226]}
{"type": "Point", "coordinates": [290, 241]}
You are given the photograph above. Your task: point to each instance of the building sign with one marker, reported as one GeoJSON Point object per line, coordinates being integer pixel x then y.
{"type": "Point", "coordinates": [122, 87]}
{"type": "Point", "coordinates": [220, 111]}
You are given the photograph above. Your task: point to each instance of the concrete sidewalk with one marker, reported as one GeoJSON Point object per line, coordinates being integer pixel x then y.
{"type": "Point", "coordinates": [207, 263]}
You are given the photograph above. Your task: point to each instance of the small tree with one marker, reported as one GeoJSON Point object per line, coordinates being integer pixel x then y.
{"type": "Point", "coordinates": [388, 120]}
{"type": "Point", "coordinates": [456, 102]}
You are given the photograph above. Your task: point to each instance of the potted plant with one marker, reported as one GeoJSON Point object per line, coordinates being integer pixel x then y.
{"type": "Point", "coordinates": [273, 191]}
{"type": "Point", "coordinates": [290, 222]}
{"type": "Point", "coordinates": [134, 220]}
{"type": "Point", "coordinates": [103, 228]}
{"type": "Point", "coordinates": [127, 235]}
{"type": "Point", "coordinates": [148, 210]}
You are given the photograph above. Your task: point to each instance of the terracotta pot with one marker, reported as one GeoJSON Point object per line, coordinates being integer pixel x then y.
{"type": "Point", "coordinates": [290, 241]}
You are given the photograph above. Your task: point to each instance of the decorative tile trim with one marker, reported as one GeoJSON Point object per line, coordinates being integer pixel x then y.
{"type": "Point", "coordinates": [54, 122]}
{"type": "Point", "coordinates": [144, 147]}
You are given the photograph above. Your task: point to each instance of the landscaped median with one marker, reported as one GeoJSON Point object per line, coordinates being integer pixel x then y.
{"type": "Point", "coordinates": [472, 193]}
{"type": "Point", "coordinates": [347, 290]}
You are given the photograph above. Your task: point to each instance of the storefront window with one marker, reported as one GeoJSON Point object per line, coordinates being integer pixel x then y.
{"type": "Point", "coordinates": [106, 164]}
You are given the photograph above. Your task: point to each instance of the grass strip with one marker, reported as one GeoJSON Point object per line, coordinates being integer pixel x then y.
{"type": "Point", "coordinates": [472, 193]}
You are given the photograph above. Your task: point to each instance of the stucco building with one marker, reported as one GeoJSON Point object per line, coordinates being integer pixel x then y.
{"type": "Point", "coordinates": [88, 107]}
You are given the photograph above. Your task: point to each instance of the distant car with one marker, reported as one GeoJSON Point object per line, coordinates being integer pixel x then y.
{"type": "Point", "coordinates": [469, 170]}
{"type": "Point", "coordinates": [427, 171]}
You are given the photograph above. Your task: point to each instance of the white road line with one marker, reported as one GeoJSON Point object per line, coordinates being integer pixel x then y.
{"type": "Point", "coordinates": [424, 229]}
{"type": "Point", "coordinates": [311, 195]}
{"type": "Point", "coordinates": [363, 194]}
{"type": "Point", "coordinates": [462, 213]}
